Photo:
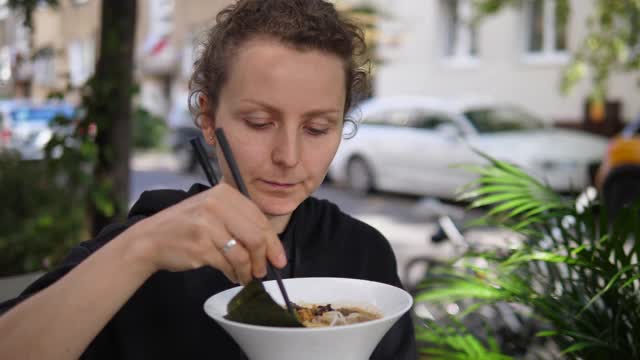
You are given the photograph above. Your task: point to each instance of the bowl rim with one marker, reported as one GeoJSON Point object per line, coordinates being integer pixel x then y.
{"type": "Point", "coordinates": [384, 318]}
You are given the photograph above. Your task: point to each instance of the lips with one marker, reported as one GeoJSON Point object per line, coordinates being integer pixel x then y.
{"type": "Point", "coordinates": [278, 184]}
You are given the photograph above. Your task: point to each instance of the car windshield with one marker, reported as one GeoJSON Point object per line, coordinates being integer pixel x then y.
{"type": "Point", "coordinates": [507, 118]}
{"type": "Point", "coordinates": [39, 115]}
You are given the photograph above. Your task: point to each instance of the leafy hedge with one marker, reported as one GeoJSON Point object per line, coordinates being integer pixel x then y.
{"type": "Point", "coordinates": [149, 131]}
{"type": "Point", "coordinates": [39, 221]}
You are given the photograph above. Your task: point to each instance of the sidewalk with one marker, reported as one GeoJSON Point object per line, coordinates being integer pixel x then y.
{"type": "Point", "coordinates": [154, 160]}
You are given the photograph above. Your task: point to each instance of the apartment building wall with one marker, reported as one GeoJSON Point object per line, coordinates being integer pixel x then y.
{"type": "Point", "coordinates": [162, 71]}
{"type": "Point", "coordinates": [415, 63]}
{"type": "Point", "coordinates": [412, 48]}
{"type": "Point", "coordinates": [192, 23]}
{"type": "Point", "coordinates": [5, 45]}
{"type": "Point", "coordinates": [47, 64]}
{"type": "Point", "coordinates": [71, 31]}
{"type": "Point", "coordinates": [80, 31]}
{"type": "Point", "coordinates": [164, 76]}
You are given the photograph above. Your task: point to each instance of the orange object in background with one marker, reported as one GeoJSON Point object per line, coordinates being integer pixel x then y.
{"type": "Point", "coordinates": [624, 149]}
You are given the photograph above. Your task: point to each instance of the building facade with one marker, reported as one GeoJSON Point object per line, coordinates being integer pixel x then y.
{"type": "Point", "coordinates": [430, 47]}
{"type": "Point", "coordinates": [168, 36]}
{"type": "Point", "coordinates": [424, 47]}
{"type": "Point", "coordinates": [63, 49]}
{"type": "Point", "coordinates": [15, 69]}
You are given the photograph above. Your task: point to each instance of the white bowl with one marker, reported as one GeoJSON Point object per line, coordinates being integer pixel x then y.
{"type": "Point", "coordinates": [347, 342]}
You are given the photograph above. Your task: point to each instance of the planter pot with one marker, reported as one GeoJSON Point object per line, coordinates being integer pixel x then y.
{"type": "Point", "coordinates": [603, 118]}
{"type": "Point", "coordinates": [12, 286]}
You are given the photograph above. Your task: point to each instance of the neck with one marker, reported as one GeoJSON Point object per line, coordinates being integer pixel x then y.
{"type": "Point", "coordinates": [279, 222]}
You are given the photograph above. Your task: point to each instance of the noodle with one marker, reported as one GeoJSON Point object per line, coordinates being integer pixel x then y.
{"type": "Point", "coordinates": [324, 316]}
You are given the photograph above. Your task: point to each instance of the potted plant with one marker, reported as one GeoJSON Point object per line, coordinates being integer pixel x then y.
{"type": "Point", "coordinates": [576, 271]}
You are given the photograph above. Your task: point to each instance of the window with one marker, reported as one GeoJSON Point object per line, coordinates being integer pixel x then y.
{"type": "Point", "coordinates": [188, 55]}
{"type": "Point", "coordinates": [4, 9]}
{"type": "Point", "coordinates": [375, 119]}
{"type": "Point", "coordinates": [430, 121]}
{"type": "Point", "coordinates": [5, 65]}
{"type": "Point", "coordinates": [397, 117]}
{"type": "Point", "coordinates": [161, 17]}
{"type": "Point", "coordinates": [160, 27]}
{"type": "Point", "coordinates": [79, 2]}
{"type": "Point", "coordinates": [546, 24]}
{"type": "Point", "coordinates": [81, 61]}
{"type": "Point", "coordinates": [44, 69]}
{"type": "Point", "coordinates": [502, 118]}
{"type": "Point", "coordinates": [22, 35]}
{"type": "Point", "coordinates": [460, 33]}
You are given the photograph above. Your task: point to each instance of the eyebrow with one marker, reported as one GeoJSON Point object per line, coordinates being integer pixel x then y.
{"type": "Point", "coordinates": [312, 113]}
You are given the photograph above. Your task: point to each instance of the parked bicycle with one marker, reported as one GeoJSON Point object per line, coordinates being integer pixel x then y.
{"type": "Point", "coordinates": [512, 326]}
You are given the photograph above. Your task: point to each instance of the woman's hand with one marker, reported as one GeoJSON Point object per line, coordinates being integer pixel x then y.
{"type": "Point", "coordinates": [193, 233]}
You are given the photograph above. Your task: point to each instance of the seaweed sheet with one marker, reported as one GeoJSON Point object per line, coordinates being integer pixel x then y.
{"type": "Point", "coordinates": [253, 305]}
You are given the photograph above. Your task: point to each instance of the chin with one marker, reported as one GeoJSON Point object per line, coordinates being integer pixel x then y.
{"type": "Point", "coordinates": [278, 206]}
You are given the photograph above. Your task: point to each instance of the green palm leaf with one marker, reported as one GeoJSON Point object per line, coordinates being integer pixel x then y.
{"type": "Point", "coordinates": [455, 342]}
{"type": "Point", "coordinates": [577, 268]}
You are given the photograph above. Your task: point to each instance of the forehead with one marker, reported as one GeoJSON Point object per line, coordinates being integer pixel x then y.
{"type": "Point", "coordinates": [271, 70]}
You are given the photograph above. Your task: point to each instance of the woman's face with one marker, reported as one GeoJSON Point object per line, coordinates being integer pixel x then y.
{"type": "Point", "coordinates": [282, 110]}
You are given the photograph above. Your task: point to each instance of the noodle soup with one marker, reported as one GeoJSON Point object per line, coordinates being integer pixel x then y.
{"type": "Point", "coordinates": [356, 341]}
{"type": "Point", "coordinates": [326, 315]}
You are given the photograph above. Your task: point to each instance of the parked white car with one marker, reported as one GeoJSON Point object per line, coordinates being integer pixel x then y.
{"type": "Point", "coordinates": [413, 144]}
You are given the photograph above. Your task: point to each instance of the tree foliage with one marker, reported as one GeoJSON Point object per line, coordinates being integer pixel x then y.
{"type": "Point", "coordinates": [106, 103]}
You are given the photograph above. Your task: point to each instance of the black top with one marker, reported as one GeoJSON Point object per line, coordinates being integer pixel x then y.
{"type": "Point", "coordinates": [164, 319]}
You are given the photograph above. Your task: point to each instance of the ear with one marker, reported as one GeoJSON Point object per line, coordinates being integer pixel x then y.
{"type": "Point", "coordinates": [207, 122]}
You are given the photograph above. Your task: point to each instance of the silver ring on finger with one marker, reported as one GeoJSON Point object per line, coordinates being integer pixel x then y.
{"type": "Point", "coordinates": [229, 245]}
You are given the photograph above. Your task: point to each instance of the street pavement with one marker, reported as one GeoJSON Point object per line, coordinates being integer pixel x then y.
{"type": "Point", "coordinates": [407, 222]}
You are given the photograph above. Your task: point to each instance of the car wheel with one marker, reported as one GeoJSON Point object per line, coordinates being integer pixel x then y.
{"type": "Point", "coordinates": [359, 176]}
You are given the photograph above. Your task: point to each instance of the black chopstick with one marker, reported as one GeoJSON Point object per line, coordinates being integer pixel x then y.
{"type": "Point", "coordinates": [201, 154]}
{"type": "Point", "coordinates": [233, 166]}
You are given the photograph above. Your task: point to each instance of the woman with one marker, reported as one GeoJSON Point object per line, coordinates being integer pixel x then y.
{"type": "Point", "coordinates": [278, 76]}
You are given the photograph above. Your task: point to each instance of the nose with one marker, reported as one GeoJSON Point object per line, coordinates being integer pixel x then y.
{"type": "Point", "coordinates": [286, 150]}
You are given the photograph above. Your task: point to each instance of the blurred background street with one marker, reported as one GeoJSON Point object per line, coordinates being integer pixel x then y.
{"type": "Point", "coordinates": [94, 110]}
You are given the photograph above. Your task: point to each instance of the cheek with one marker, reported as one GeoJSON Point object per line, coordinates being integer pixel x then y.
{"type": "Point", "coordinates": [253, 154]}
{"type": "Point", "coordinates": [318, 158]}
{"type": "Point", "coordinates": [249, 153]}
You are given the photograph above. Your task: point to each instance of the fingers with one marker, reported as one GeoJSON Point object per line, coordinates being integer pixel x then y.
{"type": "Point", "coordinates": [224, 214]}
{"type": "Point", "coordinates": [246, 223]}
{"type": "Point", "coordinates": [194, 232]}
{"type": "Point", "coordinates": [241, 263]}
{"type": "Point", "coordinates": [275, 253]}
{"type": "Point", "coordinates": [251, 248]}
{"type": "Point", "coordinates": [235, 256]}
{"type": "Point", "coordinates": [218, 261]}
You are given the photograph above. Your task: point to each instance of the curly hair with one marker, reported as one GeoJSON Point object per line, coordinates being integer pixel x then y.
{"type": "Point", "coordinates": [302, 24]}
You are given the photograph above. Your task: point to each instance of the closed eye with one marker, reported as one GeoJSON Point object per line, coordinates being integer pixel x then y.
{"type": "Point", "coordinates": [317, 131]}
{"type": "Point", "coordinates": [257, 124]}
